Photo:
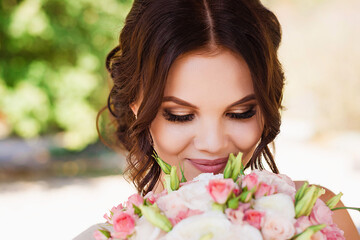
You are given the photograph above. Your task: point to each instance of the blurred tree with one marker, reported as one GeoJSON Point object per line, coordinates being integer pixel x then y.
{"type": "Point", "coordinates": [52, 74]}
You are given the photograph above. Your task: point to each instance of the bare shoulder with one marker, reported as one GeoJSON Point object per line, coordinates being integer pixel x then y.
{"type": "Point", "coordinates": [341, 217]}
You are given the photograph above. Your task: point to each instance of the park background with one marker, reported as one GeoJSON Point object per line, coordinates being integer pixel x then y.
{"type": "Point", "coordinates": [57, 178]}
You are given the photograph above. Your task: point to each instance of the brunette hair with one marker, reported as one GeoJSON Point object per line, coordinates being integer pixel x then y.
{"type": "Point", "coordinates": [155, 34]}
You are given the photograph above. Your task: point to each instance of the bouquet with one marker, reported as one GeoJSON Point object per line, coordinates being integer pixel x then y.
{"type": "Point", "coordinates": [259, 205]}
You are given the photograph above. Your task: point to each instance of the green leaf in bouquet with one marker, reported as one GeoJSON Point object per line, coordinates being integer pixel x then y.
{"type": "Point", "coordinates": [174, 179]}
{"type": "Point", "coordinates": [331, 203]}
{"type": "Point", "coordinates": [183, 179]}
{"type": "Point", "coordinates": [137, 210]}
{"type": "Point", "coordinates": [106, 233]}
{"type": "Point", "coordinates": [156, 217]}
{"type": "Point", "coordinates": [305, 204]}
{"type": "Point", "coordinates": [350, 208]}
{"type": "Point", "coordinates": [228, 168]}
{"type": "Point", "coordinates": [308, 232]}
{"type": "Point", "coordinates": [163, 165]}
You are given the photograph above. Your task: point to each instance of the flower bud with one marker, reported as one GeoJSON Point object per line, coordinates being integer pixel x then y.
{"type": "Point", "coordinates": [167, 183]}
{"type": "Point", "coordinates": [237, 167]}
{"type": "Point", "coordinates": [306, 235]}
{"type": "Point", "coordinates": [305, 204]}
{"type": "Point", "coordinates": [228, 168]}
{"type": "Point", "coordinates": [299, 193]}
{"type": "Point", "coordinates": [163, 165]}
{"type": "Point", "coordinates": [174, 179]}
{"type": "Point", "coordinates": [334, 200]}
{"type": "Point", "coordinates": [155, 217]}
{"type": "Point", "coordinates": [233, 203]}
{"type": "Point", "coordinates": [246, 196]}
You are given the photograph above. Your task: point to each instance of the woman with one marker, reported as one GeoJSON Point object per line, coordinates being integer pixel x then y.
{"type": "Point", "coordinates": [194, 81]}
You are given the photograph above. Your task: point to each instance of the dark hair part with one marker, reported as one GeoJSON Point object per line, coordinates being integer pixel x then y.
{"type": "Point", "coordinates": [155, 34]}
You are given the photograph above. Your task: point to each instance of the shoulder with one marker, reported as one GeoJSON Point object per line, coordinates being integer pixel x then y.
{"type": "Point", "coordinates": [340, 217]}
{"type": "Point", "coordinates": [88, 234]}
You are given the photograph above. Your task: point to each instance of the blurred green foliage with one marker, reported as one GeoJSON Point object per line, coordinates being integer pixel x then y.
{"type": "Point", "coordinates": [52, 74]}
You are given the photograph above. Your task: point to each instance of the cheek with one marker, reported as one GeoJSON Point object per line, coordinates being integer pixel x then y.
{"type": "Point", "coordinates": [169, 138]}
{"type": "Point", "coordinates": [246, 136]}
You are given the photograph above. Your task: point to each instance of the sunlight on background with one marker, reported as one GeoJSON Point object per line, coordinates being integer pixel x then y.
{"type": "Point", "coordinates": [59, 179]}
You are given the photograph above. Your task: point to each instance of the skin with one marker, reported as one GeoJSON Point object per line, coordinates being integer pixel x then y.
{"type": "Point", "coordinates": [204, 86]}
{"type": "Point", "coordinates": [211, 84]}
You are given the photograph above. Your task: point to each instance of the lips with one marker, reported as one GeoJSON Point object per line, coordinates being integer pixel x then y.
{"type": "Point", "coordinates": [208, 165]}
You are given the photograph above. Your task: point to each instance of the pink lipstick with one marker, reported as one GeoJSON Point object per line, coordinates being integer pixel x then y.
{"type": "Point", "coordinates": [208, 165]}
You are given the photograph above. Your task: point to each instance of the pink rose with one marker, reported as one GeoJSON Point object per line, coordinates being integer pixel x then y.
{"type": "Point", "coordinates": [236, 216]}
{"type": "Point", "coordinates": [321, 213]}
{"type": "Point", "coordinates": [282, 182]}
{"type": "Point", "coordinates": [123, 224]}
{"type": "Point", "coordinates": [113, 210]}
{"type": "Point", "coordinates": [250, 181]}
{"type": "Point", "coordinates": [265, 190]}
{"type": "Point", "coordinates": [135, 199]}
{"type": "Point", "coordinates": [220, 189]}
{"type": "Point", "coordinates": [119, 208]}
{"type": "Point", "coordinates": [302, 223]}
{"type": "Point", "coordinates": [254, 218]}
{"type": "Point", "coordinates": [172, 204]}
{"type": "Point", "coordinates": [108, 219]}
{"type": "Point", "coordinates": [332, 232]}
{"type": "Point", "coordinates": [99, 236]}
{"type": "Point", "coordinates": [277, 227]}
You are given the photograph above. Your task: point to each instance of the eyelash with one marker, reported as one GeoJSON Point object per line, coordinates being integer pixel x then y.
{"type": "Point", "coordinates": [189, 117]}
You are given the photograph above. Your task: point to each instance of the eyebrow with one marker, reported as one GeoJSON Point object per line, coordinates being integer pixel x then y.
{"type": "Point", "coordinates": [179, 101]}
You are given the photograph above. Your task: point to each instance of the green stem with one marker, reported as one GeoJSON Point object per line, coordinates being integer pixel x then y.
{"type": "Point", "coordinates": [353, 208]}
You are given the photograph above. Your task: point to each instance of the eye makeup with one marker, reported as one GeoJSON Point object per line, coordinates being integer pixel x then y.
{"type": "Point", "coordinates": [245, 115]}
{"type": "Point", "coordinates": [169, 116]}
{"type": "Point", "coordinates": [177, 118]}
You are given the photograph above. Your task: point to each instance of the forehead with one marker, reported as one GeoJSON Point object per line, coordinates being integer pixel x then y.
{"type": "Point", "coordinates": [217, 78]}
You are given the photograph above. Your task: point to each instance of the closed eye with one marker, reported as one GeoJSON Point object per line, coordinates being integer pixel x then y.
{"type": "Point", "coordinates": [189, 117]}
{"type": "Point", "coordinates": [239, 116]}
{"type": "Point", "coordinates": [177, 118]}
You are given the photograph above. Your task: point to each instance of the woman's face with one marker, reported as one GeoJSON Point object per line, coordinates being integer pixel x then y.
{"type": "Point", "coordinates": [208, 111]}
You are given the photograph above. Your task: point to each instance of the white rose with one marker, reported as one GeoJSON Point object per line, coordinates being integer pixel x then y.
{"type": "Point", "coordinates": [171, 204]}
{"type": "Point", "coordinates": [195, 227]}
{"type": "Point", "coordinates": [195, 195]}
{"type": "Point", "coordinates": [279, 203]}
{"type": "Point", "coordinates": [145, 230]}
{"type": "Point", "coordinates": [246, 231]}
{"type": "Point", "coordinates": [283, 183]}
{"type": "Point", "coordinates": [278, 227]}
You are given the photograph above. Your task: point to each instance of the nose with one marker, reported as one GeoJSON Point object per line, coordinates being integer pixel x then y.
{"type": "Point", "coordinates": [210, 137]}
